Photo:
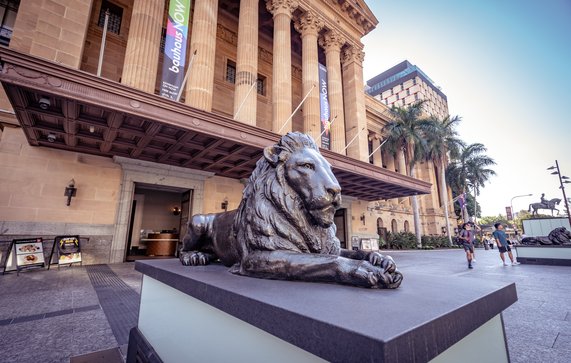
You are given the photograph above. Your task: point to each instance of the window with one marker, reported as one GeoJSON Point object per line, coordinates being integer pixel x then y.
{"type": "Point", "coordinates": [231, 78]}
{"type": "Point", "coordinates": [8, 12]}
{"type": "Point", "coordinates": [406, 226]}
{"type": "Point", "coordinates": [115, 15]}
{"type": "Point", "coordinates": [261, 86]}
{"type": "Point", "coordinates": [231, 72]}
{"type": "Point", "coordinates": [394, 226]}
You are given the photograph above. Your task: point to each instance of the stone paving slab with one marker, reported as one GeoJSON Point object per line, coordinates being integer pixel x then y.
{"type": "Point", "coordinates": [538, 325]}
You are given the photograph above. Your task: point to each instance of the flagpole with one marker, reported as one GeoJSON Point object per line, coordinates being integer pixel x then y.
{"type": "Point", "coordinates": [185, 76]}
{"type": "Point", "coordinates": [245, 98]}
{"type": "Point", "coordinates": [378, 147]}
{"type": "Point", "coordinates": [297, 108]}
{"type": "Point", "coordinates": [103, 39]}
{"type": "Point", "coordinates": [353, 139]}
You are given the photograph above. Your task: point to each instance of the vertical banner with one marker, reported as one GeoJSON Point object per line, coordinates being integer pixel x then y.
{"type": "Point", "coordinates": [325, 112]}
{"type": "Point", "coordinates": [175, 48]}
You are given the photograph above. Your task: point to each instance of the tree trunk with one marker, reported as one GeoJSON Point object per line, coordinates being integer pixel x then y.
{"type": "Point", "coordinates": [465, 215]}
{"type": "Point", "coordinates": [416, 214]}
{"type": "Point", "coordinates": [444, 197]}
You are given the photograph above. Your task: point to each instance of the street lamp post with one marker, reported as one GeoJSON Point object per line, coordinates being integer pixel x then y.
{"type": "Point", "coordinates": [517, 196]}
{"type": "Point", "coordinates": [562, 180]}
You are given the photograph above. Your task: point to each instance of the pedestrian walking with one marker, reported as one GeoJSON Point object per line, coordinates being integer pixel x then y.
{"type": "Point", "coordinates": [503, 245]}
{"type": "Point", "coordinates": [467, 242]}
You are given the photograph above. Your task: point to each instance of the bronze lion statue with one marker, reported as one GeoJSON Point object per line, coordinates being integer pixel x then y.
{"type": "Point", "coordinates": [283, 228]}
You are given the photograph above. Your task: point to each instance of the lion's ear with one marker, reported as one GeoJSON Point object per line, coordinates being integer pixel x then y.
{"type": "Point", "coordinates": [274, 154]}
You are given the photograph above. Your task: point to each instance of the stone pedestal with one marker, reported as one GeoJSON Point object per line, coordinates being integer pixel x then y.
{"type": "Point", "coordinates": [544, 255]}
{"type": "Point", "coordinates": [189, 313]}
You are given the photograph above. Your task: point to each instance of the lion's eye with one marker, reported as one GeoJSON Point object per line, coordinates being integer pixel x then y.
{"type": "Point", "coordinates": [308, 166]}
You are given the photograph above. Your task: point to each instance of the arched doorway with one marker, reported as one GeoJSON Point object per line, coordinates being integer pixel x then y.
{"type": "Point", "coordinates": [381, 230]}
{"type": "Point", "coordinates": [394, 227]}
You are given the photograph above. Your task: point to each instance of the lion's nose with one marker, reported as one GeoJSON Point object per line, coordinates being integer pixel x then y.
{"type": "Point", "coordinates": [335, 193]}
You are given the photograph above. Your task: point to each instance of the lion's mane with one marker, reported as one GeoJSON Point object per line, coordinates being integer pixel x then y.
{"type": "Point", "coordinates": [272, 216]}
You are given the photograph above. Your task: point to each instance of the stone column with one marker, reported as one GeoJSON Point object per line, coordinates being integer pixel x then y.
{"type": "Point", "coordinates": [203, 39]}
{"type": "Point", "coordinates": [354, 100]}
{"type": "Point", "coordinates": [281, 74]}
{"type": "Point", "coordinates": [55, 31]}
{"type": "Point", "coordinates": [377, 155]}
{"type": "Point", "coordinates": [332, 42]}
{"type": "Point", "coordinates": [389, 161]}
{"type": "Point", "coordinates": [142, 53]}
{"type": "Point", "coordinates": [403, 168]}
{"type": "Point", "coordinates": [247, 63]}
{"type": "Point", "coordinates": [309, 26]}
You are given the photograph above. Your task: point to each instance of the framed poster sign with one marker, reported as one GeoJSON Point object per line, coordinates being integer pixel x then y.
{"type": "Point", "coordinates": [365, 244]}
{"type": "Point", "coordinates": [69, 249]}
{"type": "Point", "coordinates": [29, 253]}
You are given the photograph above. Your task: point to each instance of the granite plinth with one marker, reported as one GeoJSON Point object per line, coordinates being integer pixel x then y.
{"type": "Point", "coordinates": [544, 254]}
{"type": "Point", "coordinates": [416, 322]}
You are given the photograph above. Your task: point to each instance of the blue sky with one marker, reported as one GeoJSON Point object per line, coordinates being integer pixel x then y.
{"type": "Point", "coordinates": [505, 66]}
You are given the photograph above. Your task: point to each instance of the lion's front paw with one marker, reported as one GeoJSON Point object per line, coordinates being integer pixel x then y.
{"type": "Point", "coordinates": [385, 262]}
{"type": "Point", "coordinates": [385, 280]}
{"type": "Point", "coordinates": [194, 258]}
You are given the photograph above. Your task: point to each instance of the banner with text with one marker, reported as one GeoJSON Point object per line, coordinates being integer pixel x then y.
{"type": "Point", "coordinates": [175, 48]}
{"type": "Point", "coordinates": [325, 112]}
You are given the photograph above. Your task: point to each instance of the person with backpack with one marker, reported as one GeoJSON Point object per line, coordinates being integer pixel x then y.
{"type": "Point", "coordinates": [503, 244]}
{"type": "Point", "coordinates": [466, 242]}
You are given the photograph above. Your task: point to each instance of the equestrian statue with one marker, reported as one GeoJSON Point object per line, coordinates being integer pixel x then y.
{"type": "Point", "coordinates": [544, 204]}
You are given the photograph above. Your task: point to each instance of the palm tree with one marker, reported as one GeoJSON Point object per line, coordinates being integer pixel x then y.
{"type": "Point", "coordinates": [469, 169]}
{"type": "Point", "coordinates": [407, 131]}
{"type": "Point", "coordinates": [444, 143]}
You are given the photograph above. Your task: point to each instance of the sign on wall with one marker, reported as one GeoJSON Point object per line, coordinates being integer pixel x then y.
{"type": "Point", "coordinates": [175, 48]}
{"type": "Point", "coordinates": [325, 112]}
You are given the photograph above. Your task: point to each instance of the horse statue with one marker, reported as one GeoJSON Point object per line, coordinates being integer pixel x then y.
{"type": "Point", "coordinates": [550, 204]}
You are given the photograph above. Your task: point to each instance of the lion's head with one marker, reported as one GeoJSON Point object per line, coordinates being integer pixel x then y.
{"type": "Point", "coordinates": [290, 199]}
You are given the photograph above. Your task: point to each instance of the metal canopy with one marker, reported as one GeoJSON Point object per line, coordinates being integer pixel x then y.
{"type": "Point", "coordinates": [63, 108]}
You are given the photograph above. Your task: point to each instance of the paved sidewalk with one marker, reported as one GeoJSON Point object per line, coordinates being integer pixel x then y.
{"type": "Point", "coordinates": [50, 316]}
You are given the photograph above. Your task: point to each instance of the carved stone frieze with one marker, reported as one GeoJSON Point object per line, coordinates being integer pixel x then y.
{"type": "Point", "coordinates": [226, 35]}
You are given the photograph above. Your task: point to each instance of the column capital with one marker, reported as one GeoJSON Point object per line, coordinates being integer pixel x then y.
{"type": "Point", "coordinates": [309, 23]}
{"type": "Point", "coordinates": [286, 7]}
{"type": "Point", "coordinates": [332, 40]}
{"type": "Point", "coordinates": [353, 54]}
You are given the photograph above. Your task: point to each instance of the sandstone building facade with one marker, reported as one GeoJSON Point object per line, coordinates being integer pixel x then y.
{"type": "Point", "coordinates": [144, 163]}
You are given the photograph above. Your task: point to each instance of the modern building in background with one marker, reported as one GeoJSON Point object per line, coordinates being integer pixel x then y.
{"type": "Point", "coordinates": [73, 107]}
{"type": "Point", "coordinates": [404, 84]}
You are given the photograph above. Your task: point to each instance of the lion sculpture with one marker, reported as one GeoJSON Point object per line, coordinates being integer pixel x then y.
{"type": "Point", "coordinates": [283, 228]}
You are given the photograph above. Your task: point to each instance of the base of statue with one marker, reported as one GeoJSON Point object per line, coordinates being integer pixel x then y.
{"type": "Point", "coordinates": [544, 255]}
{"type": "Point", "coordinates": [206, 314]}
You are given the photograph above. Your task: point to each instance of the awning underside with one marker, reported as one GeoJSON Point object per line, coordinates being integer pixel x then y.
{"type": "Point", "coordinates": [67, 109]}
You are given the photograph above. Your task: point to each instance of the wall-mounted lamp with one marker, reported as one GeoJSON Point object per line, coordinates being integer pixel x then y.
{"type": "Point", "coordinates": [70, 191]}
{"type": "Point", "coordinates": [224, 205]}
{"type": "Point", "coordinates": [176, 211]}
{"type": "Point", "coordinates": [44, 103]}
{"type": "Point", "coordinates": [362, 218]}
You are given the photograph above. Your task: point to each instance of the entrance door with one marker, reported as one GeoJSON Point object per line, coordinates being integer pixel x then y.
{"type": "Point", "coordinates": [159, 214]}
{"type": "Point", "coordinates": [340, 220]}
